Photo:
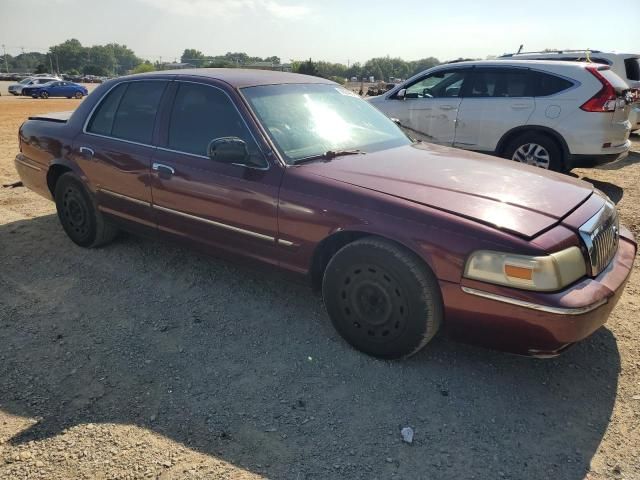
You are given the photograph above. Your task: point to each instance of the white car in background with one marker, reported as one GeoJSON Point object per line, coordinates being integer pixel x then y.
{"type": "Point", "coordinates": [625, 65]}
{"type": "Point", "coordinates": [552, 114]}
{"type": "Point", "coordinates": [16, 88]}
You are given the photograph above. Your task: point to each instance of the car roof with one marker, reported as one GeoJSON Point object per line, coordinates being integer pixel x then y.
{"type": "Point", "coordinates": [239, 77]}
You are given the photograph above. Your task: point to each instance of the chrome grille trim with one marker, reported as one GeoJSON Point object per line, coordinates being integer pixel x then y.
{"type": "Point", "coordinates": [600, 235]}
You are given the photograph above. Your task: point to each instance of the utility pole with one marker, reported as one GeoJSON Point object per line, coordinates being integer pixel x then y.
{"type": "Point", "coordinates": [6, 64]}
{"type": "Point", "coordinates": [50, 62]}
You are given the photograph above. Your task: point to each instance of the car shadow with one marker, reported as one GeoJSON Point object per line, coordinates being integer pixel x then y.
{"type": "Point", "coordinates": [613, 191]}
{"type": "Point", "coordinates": [244, 366]}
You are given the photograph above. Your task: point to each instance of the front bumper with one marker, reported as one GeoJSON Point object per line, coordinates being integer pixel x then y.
{"type": "Point", "coordinates": [535, 323]}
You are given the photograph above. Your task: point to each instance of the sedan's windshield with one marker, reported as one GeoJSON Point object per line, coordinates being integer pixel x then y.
{"type": "Point", "coordinates": [308, 120]}
{"type": "Point", "coordinates": [25, 81]}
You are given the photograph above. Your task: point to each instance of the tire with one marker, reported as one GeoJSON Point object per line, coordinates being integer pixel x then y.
{"type": "Point", "coordinates": [532, 148]}
{"type": "Point", "coordinates": [44, 95]}
{"type": "Point", "coordinates": [381, 298]}
{"type": "Point", "coordinates": [78, 214]}
{"type": "Point", "coordinates": [78, 95]}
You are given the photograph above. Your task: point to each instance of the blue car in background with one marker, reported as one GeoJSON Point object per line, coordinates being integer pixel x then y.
{"type": "Point", "coordinates": [56, 89]}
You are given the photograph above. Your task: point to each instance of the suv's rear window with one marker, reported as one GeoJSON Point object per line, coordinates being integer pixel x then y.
{"type": "Point", "coordinates": [545, 84]}
{"type": "Point", "coordinates": [632, 67]}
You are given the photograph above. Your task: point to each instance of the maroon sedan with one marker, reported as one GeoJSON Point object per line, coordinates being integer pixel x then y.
{"type": "Point", "coordinates": [294, 171]}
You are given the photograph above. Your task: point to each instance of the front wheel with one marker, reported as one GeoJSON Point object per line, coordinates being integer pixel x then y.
{"type": "Point", "coordinates": [536, 149]}
{"type": "Point", "coordinates": [78, 95]}
{"type": "Point", "coordinates": [382, 299]}
{"type": "Point", "coordinates": [81, 220]}
{"type": "Point", "coordinates": [44, 95]}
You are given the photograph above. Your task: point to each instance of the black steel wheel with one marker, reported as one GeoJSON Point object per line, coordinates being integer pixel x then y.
{"type": "Point", "coordinates": [78, 215]}
{"type": "Point", "coordinates": [382, 299]}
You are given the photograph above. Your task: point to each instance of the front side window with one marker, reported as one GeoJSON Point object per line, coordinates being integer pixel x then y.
{"type": "Point", "coordinates": [438, 85]}
{"type": "Point", "coordinates": [499, 82]}
{"type": "Point", "coordinates": [129, 111]}
{"type": "Point", "coordinates": [201, 114]}
{"type": "Point", "coordinates": [306, 120]}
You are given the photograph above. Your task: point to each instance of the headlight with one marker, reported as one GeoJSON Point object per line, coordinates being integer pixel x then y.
{"type": "Point", "coordinates": [545, 273]}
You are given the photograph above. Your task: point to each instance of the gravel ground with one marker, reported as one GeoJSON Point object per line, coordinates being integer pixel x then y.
{"type": "Point", "coordinates": [144, 360]}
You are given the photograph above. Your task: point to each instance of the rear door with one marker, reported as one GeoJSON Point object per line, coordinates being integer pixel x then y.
{"type": "Point", "coordinates": [114, 149]}
{"type": "Point", "coordinates": [495, 100]}
{"type": "Point", "coordinates": [432, 102]}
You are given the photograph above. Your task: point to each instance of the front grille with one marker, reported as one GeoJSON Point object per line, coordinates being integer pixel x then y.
{"type": "Point", "coordinates": [600, 235]}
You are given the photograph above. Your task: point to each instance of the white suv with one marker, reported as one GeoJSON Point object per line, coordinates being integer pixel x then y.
{"type": "Point", "coordinates": [625, 65]}
{"type": "Point", "coordinates": [552, 114]}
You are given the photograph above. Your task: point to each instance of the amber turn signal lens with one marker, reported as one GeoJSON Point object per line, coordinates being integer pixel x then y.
{"type": "Point", "coordinates": [518, 272]}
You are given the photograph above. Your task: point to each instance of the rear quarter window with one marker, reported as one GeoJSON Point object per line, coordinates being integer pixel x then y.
{"type": "Point", "coordinates": [545, 84]}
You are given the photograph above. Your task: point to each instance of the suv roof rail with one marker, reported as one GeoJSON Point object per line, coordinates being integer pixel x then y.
{"type": "Point", "coordinates": [560, 52]}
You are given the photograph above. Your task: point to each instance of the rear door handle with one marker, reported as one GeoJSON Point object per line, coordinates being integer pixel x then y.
{"type": "Point", "coordinates": [521, 106]}
{"type": "Point", "coordinates": [163, 169]}
{"type": "Point", "coordinates": [447, 107]}
{"type": "Point", "coordinates": [87, 152]}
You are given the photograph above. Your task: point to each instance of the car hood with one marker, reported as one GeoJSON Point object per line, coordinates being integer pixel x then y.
{"type": "Point", "coordinates": [510, 196]}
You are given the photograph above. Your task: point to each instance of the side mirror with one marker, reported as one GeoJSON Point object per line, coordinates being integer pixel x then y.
{"type": "Point", "coordinates": [400, 95]}
{"type": "Point", "coordinates": [229, 150]}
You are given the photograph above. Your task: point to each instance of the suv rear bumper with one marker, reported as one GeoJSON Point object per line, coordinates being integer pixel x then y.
{"type": "Point", "coordinates": [575, 161]}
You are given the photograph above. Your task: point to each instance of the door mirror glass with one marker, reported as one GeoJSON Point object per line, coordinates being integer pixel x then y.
{"type": "Point", "coordinates": [401, 93]}
{"type": "Point", "coordinates": [229, 150]}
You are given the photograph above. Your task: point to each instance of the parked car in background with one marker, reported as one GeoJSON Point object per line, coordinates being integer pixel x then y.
{"type": "Point", "coordinates": [302, 174]}
{"type": "Point", "coordinates": [554, 115]}
{"type": "Point", "coordinates": [16, 88]}
{"type": "Point", "coordinates": [56, 89]}
{"type": "Point", "coordinates": [625, 65]}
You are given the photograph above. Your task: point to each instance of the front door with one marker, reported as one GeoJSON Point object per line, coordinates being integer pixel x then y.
{"type": "Point", "coordinates": [432, 103]}
{"type": "Point", "coordinates": [225, 206]}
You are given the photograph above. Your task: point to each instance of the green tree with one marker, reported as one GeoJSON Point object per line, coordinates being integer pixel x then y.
{"type": "Point", "coordinates": [69, 54]}
{"type": "Point", "coordinates": [144, 68]}
{"type": "Point", "coordinates": [308, 68]}
{"type": "Point", "coordinates": [193, 56]}
{"type": "Point", "coordinates": [418, 66]}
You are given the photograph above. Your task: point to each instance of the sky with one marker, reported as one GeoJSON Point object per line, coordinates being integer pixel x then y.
{"type": "Point", "coordinates": [332, 30]}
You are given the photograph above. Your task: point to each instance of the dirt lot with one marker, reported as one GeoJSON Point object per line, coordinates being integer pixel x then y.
{"type": "Point", "coordinates": [143, 360]}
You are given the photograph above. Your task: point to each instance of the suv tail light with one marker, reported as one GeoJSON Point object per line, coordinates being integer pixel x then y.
{"type": "Point", "coordinates": [606, 98]}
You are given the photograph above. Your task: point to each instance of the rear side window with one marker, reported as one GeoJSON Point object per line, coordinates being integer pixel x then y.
{"type": "Point", "coordinates": [201, 114]}
{"type": "Point", "coordinates": [129, 111]}
{"type": "Point", "coordinates": [545, 84]}
{"type": "Point", "coordinates": [632, 68]}
{"type": "Point", "coordinates": [499, 82]}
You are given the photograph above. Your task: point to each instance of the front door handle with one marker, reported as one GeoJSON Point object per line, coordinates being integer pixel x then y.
{"type": "Point", "coordinates": [87, 152]}
{"type": "Point", "coordinates": [163, 169]}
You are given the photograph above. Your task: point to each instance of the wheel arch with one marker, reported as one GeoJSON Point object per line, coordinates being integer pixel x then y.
{"type": "Point", "coordinates": [331, 244]}
{"type": "Point", "coordinates": [59, 167]}
{"type": "Point", "coordinates": [553, 134]}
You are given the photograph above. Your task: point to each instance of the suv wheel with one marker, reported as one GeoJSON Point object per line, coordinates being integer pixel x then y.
{"type": "Point", "coordinates": [536, 149]}
{"type": "Point", "coordinates": [381, 298]}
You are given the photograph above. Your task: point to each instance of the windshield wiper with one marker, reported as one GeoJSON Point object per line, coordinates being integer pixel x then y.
{"type": "Point", "coordinates": [329, 155]}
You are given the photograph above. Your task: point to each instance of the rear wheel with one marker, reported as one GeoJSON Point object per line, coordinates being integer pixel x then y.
{"type": "Point", "coordinates": [536, 149]}
{"type": "Point", "coordinates": [77, 212]}
{"type": "Point", "coordinates": [44, 95]}
{"type": "Point", "coordinates": [381, 298]}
